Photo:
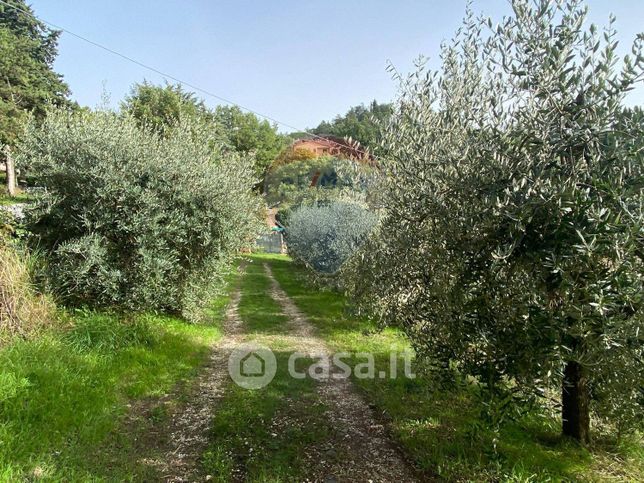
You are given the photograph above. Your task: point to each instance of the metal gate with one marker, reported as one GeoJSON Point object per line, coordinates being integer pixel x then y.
{"type": "Point", "coordinates": [272, 243]}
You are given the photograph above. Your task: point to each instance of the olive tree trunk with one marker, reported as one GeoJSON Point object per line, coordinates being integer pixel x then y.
{"type": "Point", "coordinates": [575, 400]}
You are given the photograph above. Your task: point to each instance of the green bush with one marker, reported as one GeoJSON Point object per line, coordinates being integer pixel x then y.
{"type": "Point", "coordinates": [134, 220]}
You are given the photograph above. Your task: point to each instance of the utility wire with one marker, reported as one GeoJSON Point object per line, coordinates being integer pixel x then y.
{"type": "Point", "coordinates": [187, 84]}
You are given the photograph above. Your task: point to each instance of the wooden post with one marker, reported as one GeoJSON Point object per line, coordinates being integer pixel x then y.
{"type": "Point", "coordinates": [12, 185]}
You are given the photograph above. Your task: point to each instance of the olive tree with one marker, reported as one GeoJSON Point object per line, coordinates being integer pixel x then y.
{"type": "Point", "coordinates": [513, 213]}
{"type": "Point", "coordinates": [162, 107]}
{"type": "Point", "coordinates": [133, 219]}
{"type": "Point", "coordinates": [324, 235]}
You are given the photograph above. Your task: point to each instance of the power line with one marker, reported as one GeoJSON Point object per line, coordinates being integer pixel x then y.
{"type": "Point", "coordinates": [187, 84]}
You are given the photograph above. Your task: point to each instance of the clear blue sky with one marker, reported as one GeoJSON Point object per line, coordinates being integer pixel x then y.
{"type": "Point", "coordinates": [300, 61]}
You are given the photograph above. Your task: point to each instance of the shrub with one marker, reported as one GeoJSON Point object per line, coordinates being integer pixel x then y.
{"type": "Point", "coordinates": [134, 220]}
{"type": "Point", "coordinates": [512, 234]}
{"type": "Point", "coordinates": [324, 236]}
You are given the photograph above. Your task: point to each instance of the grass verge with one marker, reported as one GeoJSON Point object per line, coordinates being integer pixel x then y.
{"type": "Point", "coordinates": [64, 393]}
{"type": "Point", "coordinates": [5, 199]}
{"type": "Point", "coordinates": [23, 310]}
{"type": "Point", "coordinates": [441, 429]}
{"type": "Point", "coordinates": [21, 197]}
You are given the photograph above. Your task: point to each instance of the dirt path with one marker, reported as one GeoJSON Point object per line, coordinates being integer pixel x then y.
{"type": "Point", "coordinates": [183, 439]}
{"type": "Point", "coordinates": [360, 449]}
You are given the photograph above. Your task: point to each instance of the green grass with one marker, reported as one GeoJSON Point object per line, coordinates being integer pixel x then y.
{"type": "Point", "coordinates": [64, 393]}
{"type": "Point", "coordinates": [5, 199]}
{"type": "Point", "coordinates": [261, 435]}
{"type": "Point", "coordinates": [64, 396]}
{"type": "Point", "coordinates": [257, 309]}
{"type": "Point", "coordinates": [441, 428]}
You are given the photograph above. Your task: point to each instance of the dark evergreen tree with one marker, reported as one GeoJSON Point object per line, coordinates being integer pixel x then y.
{"type": "Point", "coordinates": [28, 82]}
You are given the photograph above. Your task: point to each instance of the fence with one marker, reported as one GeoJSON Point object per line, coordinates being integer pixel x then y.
{"type": "Point", "coordinates": [272, 243]}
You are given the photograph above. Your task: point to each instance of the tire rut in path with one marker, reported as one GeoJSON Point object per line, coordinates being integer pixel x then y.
{"type": "Point", "coordinates": [360, 448]}
{"type": "Point", "coordinates": [186, 433]}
